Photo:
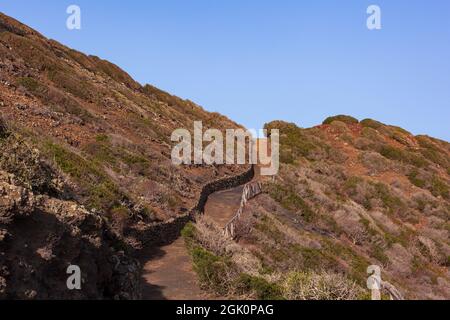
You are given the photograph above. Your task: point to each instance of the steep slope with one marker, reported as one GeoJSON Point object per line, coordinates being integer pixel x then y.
{"type": "Point", "coordinates": [349, 194]}
{"type": "Point", "coordinates": [79, 129]}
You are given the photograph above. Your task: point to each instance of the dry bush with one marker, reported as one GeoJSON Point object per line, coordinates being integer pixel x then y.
{"type": "Point", "coordinates": [429, 249]}
{"type": "Point", "coordinates": [319, 286]}
{"type": "Point", "coordinates": [210, 237]}
{"type": "Point", "coordinates": [244, 226]}
{"type": "Point", "coordinates": [375, 162]}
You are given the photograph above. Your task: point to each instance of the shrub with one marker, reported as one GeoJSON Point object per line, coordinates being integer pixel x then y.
{"type": "Point", "coordinates": [390, 201]}
{"type": "Point", "coordinates": [102, 138]}
{"type": "Point", "coordinates": [374, 162]}
{"type": "Point", "coordinates": [18, 157]}
{"type": "Point", "coordinates": [369, 123]}
{"type": "Point", "coordinates": [400, 155]}
{"type": "Point", "coordinates": [297, 142]}
{"type": "Point", "coordinates": [99, 191]}
{"type": "Point", "coordinates": [378, 253]}
{"type": "Point", "coordinates": [439, 188]}
{"type": "Point", "coordinates": [413, 177]}
{"type": "Point", "coordinates": [322, 286]}
{"type": "Point", "coordinates": [29, 83]}
{"type": "Point", "coordinates": [262, 289]}
{"type": "Point", "coordinates": [393, 153]}
{"type": "Point", "coordinates": [289, 199]}
{"type": "Point", "coordinates": [342, 118]}
{"type": "Point", "coordinates": [215, 273]}
{"type": "Point", "coordinates": [4, 131]}
{"type": "Point", "coordinates": [364, 192]}
{"type": "Point", "coordinates": [188, 233]}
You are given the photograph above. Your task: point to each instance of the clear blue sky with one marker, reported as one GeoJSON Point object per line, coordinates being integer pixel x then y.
{"type": "Point", "coordinates": [256, 60]}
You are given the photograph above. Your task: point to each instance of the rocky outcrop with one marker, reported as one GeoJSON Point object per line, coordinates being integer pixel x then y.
{"type": "Point", "coordinates": [41, 236]}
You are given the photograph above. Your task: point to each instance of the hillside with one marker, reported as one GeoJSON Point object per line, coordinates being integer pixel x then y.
{"type": "Point", "coordinates": [349, 194]}
{"type": "Point", "coordinates": [79, 132]}
{"type": "Point", "coordinates": [86, 178]}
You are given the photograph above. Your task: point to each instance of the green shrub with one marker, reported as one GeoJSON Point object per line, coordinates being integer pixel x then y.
{"type": "Point", "coordinates": [289, 199]}
{"type": "Point", "coordinates": [439, 188]}
{"type": "Point", "coordinates": [19, 157]}
{"type": "Point", "coordinates": [296, 142]}
{"type": "Point", "coordinates": [415, 180]}
{"type": "Point", "coordinates": [391, 202]}
{"type": "Point", "coordinates": [95, 185]}
{"type": "Point", "coordinates": [369, 123]}
{"type": "Point", "coordinates": [4, 131]}
{"type": "Point", "coordinates": [378, 253]}
{"type": "Point", "coordinates": [263, 289]}
{"type": "Point", "coordinates": [211, 270]}
{"type": "Point", "coordinates": [189, 234]}
{"type": "Point", "coordinates": [342, 118]}
{"type": "Point", "coordinates": [400, 155]}
{"type": "Point", "coordinates": [102, 138]}
{"type": "Point", "coordinates": [267, 227]}
{"type": "Point", "coordinates": [29, 83]}
{"type": "Point", "coordinates": [393, 153]}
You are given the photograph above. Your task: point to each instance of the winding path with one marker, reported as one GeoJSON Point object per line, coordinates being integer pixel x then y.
{"type": "Point", "coordinates": [167, 271]}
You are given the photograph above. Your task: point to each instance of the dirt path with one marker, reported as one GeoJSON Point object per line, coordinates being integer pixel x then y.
{"type": "Point", "coordinates": [167, 272]}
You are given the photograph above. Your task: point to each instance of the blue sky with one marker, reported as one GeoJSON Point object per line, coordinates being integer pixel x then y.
{"type": "Point", "coordinates": [257, 61]}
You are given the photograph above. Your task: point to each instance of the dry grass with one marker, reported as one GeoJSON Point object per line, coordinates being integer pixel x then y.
{"type": "Point", "coordinates": [319, 286]}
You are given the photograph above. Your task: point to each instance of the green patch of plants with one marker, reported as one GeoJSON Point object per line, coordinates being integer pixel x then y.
{"type": "Point", "coordinates": [68, 82]}
{"type": "Point", "coordinates": [358, 264]}
{"type": "Point", "coordinates": [439, 188]}
{"type": "Point", "coordinates": [263, 289]}
{"type": "Point", "coordinates": [369, 123]}
{"type": "Point", "coordinates": [343, 118]}
{"type": "Point", "coordinates": [289, 199]}
{"type": "Point", "coordinates": [312, 258]}
{"type": "Point", "coordinates": [400, 155]}
{"type": "Point", "coordinates": [391, 202]}
{"type": "Point", "coordinates": [368, 226]}
{"type": "Point", "coordinates": [211, 270]}
{"type": "Point", "coordinates": [101, 153]}
{"type": "Point", "coordinates": [393, 153]}
{"type": "Point", "coordinates": [378, 253]}
{"type": "Point", "coordinates": [102, 138]}
{"type": "Point", "coordinates": [415, 180]}
{"type": "Point", "coordinates": [100, 192]}
{"type": "Point", "coordinates": [268, 228]}
{"type": "Point", "coordinates": [30, 84]}
{"type": "Point", "coordinates": [71, 163]}
{"type": "Point", "coordinates": [189, 233]}
{"type": "Point", "coordinates": [104, 195]}
{"type": "Point", "coordinates": [296, 142]}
